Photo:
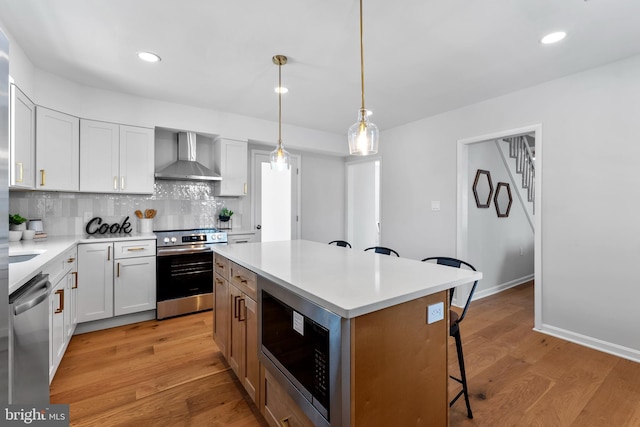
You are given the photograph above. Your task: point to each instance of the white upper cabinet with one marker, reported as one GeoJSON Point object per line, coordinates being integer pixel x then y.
{"type": "Point", "coordinates": [230, 161]}
{"type": "Point", "coordinates": [99, 156]}
{"type": "Point", "coordinates": [136, 159]}
{"type": "Point", "coordinates": [57, 151]}
{"type": "Point", "coordinates": [115, 158]}
{"type": "Point", "coordinates": [23, 140]}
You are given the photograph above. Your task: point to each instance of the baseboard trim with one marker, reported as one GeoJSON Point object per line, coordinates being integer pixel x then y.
{"type": "Point", "coordinates": [594, 343]}
{"type": "Point", "coordinates": [483, 293]}
{"type": "Point", "coordinates": [112, 322]}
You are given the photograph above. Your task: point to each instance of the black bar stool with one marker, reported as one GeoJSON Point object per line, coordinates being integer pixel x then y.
{"type": "Point", "coordinates": [342, 243]}
{"type": "Point", "coordinates": [382, 250]}
{"type": "Point", "coordinates": [454, 327]}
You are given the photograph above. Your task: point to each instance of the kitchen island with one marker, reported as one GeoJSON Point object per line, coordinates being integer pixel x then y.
{"type": "Point", "coordinates": [388, 363]}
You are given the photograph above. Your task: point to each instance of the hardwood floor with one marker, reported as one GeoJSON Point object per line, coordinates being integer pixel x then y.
{"type": "Point", "coordinates": [155, 373]}
{"type": "Point", "coordinates": [170, 373]}
{"type": "Point", "coordinates": [518, 377]}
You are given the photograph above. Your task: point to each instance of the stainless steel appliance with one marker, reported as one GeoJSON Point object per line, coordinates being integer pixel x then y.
{"type": "Point", "coordinates": [184, 267]}
{"type": "Point", "coordinates": [300, 344]}
{"type": "Point", "coordinates": [4, 226]}
{"type": "Point", "coordinates": [29, 342]}
{"type": "Point", "coordinates": [187, 167]}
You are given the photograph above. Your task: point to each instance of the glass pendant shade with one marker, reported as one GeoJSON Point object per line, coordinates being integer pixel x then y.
{"type": "Point", "coordinates": [280, 159]}
{"type": "Point", "coordinates": [363, 136]}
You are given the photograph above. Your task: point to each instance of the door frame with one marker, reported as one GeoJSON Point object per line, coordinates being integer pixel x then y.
{"type": "Point", "coordinates": [296, 187]}
{"type": "Point", "coordinates": [463, 203]}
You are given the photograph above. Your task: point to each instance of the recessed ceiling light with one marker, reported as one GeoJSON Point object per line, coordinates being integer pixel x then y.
{"type": "Point", "coordinates": [281, 89]}
{"type": "Point", "coordinates": [148, 56]}
{"type": "Point", "coordinates": [553, 37]}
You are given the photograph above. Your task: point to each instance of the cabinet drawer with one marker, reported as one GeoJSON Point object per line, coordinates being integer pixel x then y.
{"type": "Point", "coordinates": [241, 238]}
{"type": "Point", "coordinates": [134, 249]}
{"type": "Point", "coordinates": [61, 265]}
{"type": "Point", "coordinates": [221, 265]}
{"type": "Point", "coordinates": [244, 279]}
{"type": "Point", "coordinates": [279, 408]}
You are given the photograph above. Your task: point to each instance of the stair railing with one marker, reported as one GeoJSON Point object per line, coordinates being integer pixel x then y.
{"type": "Point", "coordinates": [525, 164]}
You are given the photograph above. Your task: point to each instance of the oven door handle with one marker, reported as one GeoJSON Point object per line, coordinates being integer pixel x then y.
{"type": "Point", "coordinates": [183, 251]}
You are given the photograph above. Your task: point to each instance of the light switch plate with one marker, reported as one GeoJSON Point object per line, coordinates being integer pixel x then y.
{"type": "Point", "coordinates": [435, 312]}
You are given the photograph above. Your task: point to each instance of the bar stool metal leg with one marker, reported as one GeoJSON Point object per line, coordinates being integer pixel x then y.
{"type": "Point", "coordinates": [463, 376]}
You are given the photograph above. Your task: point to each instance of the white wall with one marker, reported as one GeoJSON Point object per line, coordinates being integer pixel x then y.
{"type": "Point", "coordinates": [502, 248]}
{"type": "Point", "coordinates": [323, 197]}
{"type": "Point", "coordinates": [590, 232]}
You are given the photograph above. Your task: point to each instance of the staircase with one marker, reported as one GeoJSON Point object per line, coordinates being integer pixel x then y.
{"type": "Point", "coordinates": [522, 149]}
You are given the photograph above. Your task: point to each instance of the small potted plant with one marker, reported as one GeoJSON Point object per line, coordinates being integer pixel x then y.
{"type": "Point", "coordinates": [17, 223]}
{"type": "Point", "coordinates": [225, 215]}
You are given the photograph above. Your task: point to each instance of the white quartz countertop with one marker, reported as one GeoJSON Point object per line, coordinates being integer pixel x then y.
{"type": "Point", "coordinates": [49, 248]}
{"type": "Point", "coordinates": [345, 281]}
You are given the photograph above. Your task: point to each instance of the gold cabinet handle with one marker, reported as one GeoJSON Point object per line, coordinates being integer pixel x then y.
{"type": "Point", "coordinates": [75, 285]}
{"type": "Point", "coordinates": [115, 182]}
{"type": "Point", "coordinates": [43, 178]}
{"type": "Point", "coordinates": [109, 253]}
{"type": "Point", "coordinates": [70, 260]}
{"type": "Point", "coordinates": [19, 164]}
{"type": "Point", "coordinates": [118, 274]}
{"type": "Point", "coordinates": [284, 422]}
{"type": "Point", "coordinates": [122, 183]}
{"type": "Point", "coordinates": [245, 188]}
{"type": "Point", "coordinates": [135, 249]}
{"type": "Point", "coordinates": [60, 309]}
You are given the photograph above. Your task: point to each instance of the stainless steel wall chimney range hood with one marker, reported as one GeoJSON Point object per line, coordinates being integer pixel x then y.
{"type": "Point", "coordinates": [186, 167]}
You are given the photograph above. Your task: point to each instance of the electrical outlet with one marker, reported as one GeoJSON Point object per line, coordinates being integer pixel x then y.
{"type": "Point", "coordinates": [435, 312]}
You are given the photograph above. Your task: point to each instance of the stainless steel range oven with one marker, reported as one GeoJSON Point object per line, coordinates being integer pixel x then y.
{"type": "Point", "coordinates": [184, 264]}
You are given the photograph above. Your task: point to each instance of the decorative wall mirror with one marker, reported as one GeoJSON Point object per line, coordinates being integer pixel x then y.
{"type": "Point", "coordinates": [482, 188]}
{"type": "Point", "coordinates": [502, 200]}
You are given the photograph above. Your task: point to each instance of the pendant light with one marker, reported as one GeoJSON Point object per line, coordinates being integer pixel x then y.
{"type": "Point", "coordinates": [280, 156]}
{"type": "Point", "coordinates": [363, 135]}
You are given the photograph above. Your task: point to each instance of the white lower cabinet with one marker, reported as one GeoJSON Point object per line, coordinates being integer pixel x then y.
{"type": "Point", "coordinates": [62, 275]}
{"type": "Point", "coordinates": [56, 327]}
{"type": "Point", "coordinates": [95, 281]}
{"type": "Point", "coordinates": [116, 278]}
{"type": "Point", "coordinates": [134, 287]}
{"type": "Point", "coordinates": [71, 301]}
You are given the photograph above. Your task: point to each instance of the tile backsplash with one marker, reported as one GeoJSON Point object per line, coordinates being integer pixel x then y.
{"type": "Point", "coordinates": [180, 205]}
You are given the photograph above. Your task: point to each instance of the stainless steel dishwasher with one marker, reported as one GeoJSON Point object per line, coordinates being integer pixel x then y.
{"type": "Point", "coordinates": [29, 342]}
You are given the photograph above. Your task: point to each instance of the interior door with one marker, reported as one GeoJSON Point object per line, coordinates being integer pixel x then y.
{"type": "Point", "coordinates": [363, 203]}
{"type": "Point", "coordinates": [275, 199]}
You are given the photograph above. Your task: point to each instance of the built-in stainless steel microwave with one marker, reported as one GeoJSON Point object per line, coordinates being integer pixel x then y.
{"type": "Point", "coordinates": [300, 345]}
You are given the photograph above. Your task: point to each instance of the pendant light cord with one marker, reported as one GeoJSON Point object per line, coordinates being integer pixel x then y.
{"type": "Point", "coordinates": [361, 57]}
{"type": "Point", "coordinates": [279, 105]}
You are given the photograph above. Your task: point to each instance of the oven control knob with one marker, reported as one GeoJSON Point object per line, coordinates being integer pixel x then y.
{"type": "Point", "coordinates": [166, 240]}
{"type": "Point", "coordinates": [173, 240]}
{"type": "Point", "coordinates": [214, 237]}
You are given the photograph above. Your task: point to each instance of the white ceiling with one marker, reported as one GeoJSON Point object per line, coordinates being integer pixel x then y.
{"type": "Point", "coordinates": [422, 57]}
